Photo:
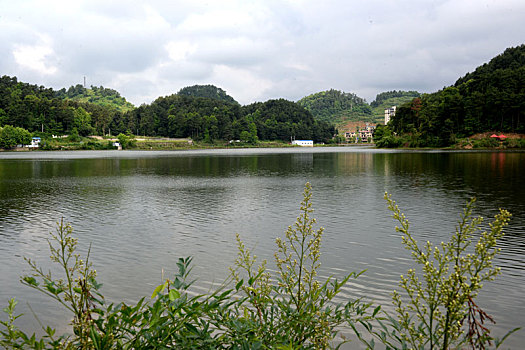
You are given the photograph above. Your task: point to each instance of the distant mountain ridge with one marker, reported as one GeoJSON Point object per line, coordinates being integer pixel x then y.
{"type": "Point", "coordinates": [492, 97]}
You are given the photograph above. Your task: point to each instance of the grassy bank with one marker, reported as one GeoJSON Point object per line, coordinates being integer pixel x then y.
{"type": "Point", "coordinates": [486, 141]}
{"type": "Point", "coordinates": [145, 143]}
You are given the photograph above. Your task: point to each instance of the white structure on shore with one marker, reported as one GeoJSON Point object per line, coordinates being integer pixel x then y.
{"type": "Point", "coordinates": [303, 143]}
{"type": "Point", "coordinates": [35, 142]}
{"type": "Point", "coordinates": [389, 113]}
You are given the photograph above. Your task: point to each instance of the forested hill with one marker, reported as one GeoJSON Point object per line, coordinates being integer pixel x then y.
{"type": "Point", "coordinates": [511, 61]}
{"type": "Point", "coordinates": [337, 107]}
{"type": "Point", "coordinates": [388, 99]}
{"type": "Point", "coordinates": [209, 119]}
{"type": "Point", "coordinates": [208, 91]}
{"type": "Point", "coordinates": [492, 98]}
{"type": "Point", "coordinates": [97, 95]}
{"type": "Point", "coordinates": [384, 97]}
{"type": "Point", "coordinates": [37, 108]}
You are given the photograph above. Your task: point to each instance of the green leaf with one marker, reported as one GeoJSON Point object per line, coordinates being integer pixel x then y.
{"type": "Point", "coordinates": [95, 284]}
{"type": "Point", "coordinates": [158, 290]}
{"type": "Point", "coordinates": [50, 288]}
{"type": "Point", "coordinates": [30, 280]}
{"type": "Point", "coordinates": [174, 294]}
{"type": "Point", "coordinates": [376, 310]}
{"type": "Point", "coordinates": [239, 284]}
{"type": "Point", "coordinates": [498, 342]}
{"type": "Point", "coordinates": [191, 328]}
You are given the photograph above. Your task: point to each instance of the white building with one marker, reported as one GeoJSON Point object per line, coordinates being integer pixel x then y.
{"type": "Point", "coordinates": [35, 142]}
{"type": "Point", "coordinates": [303, 143]}
{"type": "Point", "coordinates": [389, 113]}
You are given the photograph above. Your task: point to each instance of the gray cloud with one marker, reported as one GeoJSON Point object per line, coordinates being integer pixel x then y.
{"type": "Point", "coordinates": [255, 50]}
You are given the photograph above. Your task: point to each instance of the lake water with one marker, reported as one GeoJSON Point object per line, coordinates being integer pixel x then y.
{"type": "Point", "coordinates": [141, 211]}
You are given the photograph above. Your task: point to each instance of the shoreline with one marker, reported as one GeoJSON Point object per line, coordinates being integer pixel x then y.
{"type": "Point", "coordinates": [220, 152]}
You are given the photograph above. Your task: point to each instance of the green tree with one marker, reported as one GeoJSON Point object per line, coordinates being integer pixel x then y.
{"type": "Point", "coordinates": [11, 136]}
{"type": "Point", "coordinates": [82, 121]}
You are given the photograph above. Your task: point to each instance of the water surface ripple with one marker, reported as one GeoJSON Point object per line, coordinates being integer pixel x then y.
{"type": "Point", "coordinates": [141, 211]}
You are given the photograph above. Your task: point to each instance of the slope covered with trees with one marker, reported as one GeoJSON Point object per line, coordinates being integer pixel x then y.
{"type": "Point", "coordinates": [281, 120]}
{"type": "Point", "coordinates": [97, 95]}
{"type": "Point", "coordinates": [201, 112]}
{"type": "Point", "coordinates": [211, 119]}
{"type": "Point", "coordinates": [337, 107]}
{"type": "Point", "coordinates": [37, 108]}
{"type": "Point", "coordinates": [181, 116]}
{"type": "Point", "coordinates": [492, 98]}
{"type": "Point", "coordinates": [208, 91]}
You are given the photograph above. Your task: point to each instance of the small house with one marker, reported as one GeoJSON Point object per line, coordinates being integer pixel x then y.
{"type": "Point", "coordinates": [35, 142]}
{"type": "Point", "coordinates": [303, 143]}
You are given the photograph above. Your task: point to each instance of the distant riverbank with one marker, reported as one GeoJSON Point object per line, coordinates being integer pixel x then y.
{"type": "Point", "coordinates": [155, 143]}
{"type": "Point", "coordinates": [484, 141]}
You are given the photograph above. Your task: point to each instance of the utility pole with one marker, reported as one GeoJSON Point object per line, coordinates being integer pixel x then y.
{"type": "Point", "coordinates": [84, 82]}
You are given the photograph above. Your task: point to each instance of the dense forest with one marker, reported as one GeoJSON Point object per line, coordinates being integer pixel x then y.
{"type": "Point", "coordinates": [210, 119]}
{"type": "Point", "coordinates": [207, 91]}
{"type": "Point", "coordinates": [201, 112]}
{"type": "Point", "coordinates": [39, 109]}
{"type": "Point", "coordinates": [337, 107]}
{"type": "Point", "coordinates": [492, 98]}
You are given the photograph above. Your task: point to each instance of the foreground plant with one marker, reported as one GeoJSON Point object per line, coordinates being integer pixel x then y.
{"type": "Point", "coordinates": [298, 310]}
{"type": "Point", "coordinates": [438, 308]}
{"type": "Point", "coordinates": [293, 310]}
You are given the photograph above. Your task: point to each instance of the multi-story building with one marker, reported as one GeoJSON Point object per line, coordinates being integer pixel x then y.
{"type": "Point", "coordinates": [363, 134]}
{"type": "Point", "coordinates": [389, 113]}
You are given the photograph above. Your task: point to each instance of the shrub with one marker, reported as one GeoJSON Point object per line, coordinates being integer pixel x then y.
{"type": "Point", "coordinates": [74, 136]}
{"type": "Point", "coordinates": [487, 142]}
{"type": "Point", "coordinates": [514, 143]}
{"type": "Point", "coordinates": [438, 308]}
{"type": "Point", "coordinates": [297, 310]}
{"type": "Point", "coordinates": [126, 141]}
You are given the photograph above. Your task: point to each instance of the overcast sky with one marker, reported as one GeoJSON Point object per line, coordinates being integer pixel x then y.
{"type": "Point", "coordinates": [255, 50]}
